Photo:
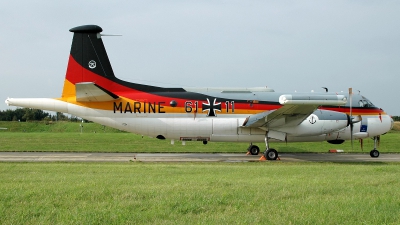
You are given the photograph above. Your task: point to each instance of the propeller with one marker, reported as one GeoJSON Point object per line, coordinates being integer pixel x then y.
{"type": "Point", "coordinates": [351, 116]}
{"type": "Point", "coordinates": [351, 119]}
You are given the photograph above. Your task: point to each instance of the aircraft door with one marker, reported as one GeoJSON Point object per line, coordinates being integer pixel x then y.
{"type": "Point", "coordinates": [225, 126]}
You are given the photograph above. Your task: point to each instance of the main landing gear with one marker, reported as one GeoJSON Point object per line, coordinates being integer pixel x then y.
{"type": "Point", "coordinates": [253, 149]}
{"type": "Point", "coordinates": [269, 153]}
{"type": "Point", "coordinates": [374, 153]}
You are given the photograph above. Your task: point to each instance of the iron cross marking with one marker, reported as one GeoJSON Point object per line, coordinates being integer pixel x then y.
{"type": "Point", "coordinates": [211, 107]}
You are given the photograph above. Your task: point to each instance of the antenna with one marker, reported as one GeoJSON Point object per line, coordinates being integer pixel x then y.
{"type": "Point", "coordinates": [110, 34]}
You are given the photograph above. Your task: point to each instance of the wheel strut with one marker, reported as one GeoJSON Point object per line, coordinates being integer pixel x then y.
{"type": "Point", "coordinates": [270, 154]}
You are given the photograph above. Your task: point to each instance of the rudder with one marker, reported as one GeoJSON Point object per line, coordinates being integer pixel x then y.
{"type": "Point", "coordinates": [88, 57]}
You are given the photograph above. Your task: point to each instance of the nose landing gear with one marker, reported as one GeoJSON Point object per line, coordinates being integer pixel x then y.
{"type": "Point", "coordinates": [374, 153]}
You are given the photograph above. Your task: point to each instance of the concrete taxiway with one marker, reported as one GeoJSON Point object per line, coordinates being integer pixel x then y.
{"type": "Point", "coordinates": [187, 157]}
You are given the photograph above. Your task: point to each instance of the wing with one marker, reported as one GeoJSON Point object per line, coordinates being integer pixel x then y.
{"type": "Point", "coordinates": [91, 92]}
{"type": "Point", "coordinates": [295, 108]}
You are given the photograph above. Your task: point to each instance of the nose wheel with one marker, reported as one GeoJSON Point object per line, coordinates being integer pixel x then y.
{"type": "Point", "coordinates": [374, 153]}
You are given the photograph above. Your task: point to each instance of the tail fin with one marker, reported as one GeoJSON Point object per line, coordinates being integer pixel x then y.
{"type": "Point", "coordinates": [88, 59]}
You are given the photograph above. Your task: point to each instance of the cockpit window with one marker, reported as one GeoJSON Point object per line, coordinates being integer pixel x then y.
{"type": "Point", "coordinates": [365, 103]}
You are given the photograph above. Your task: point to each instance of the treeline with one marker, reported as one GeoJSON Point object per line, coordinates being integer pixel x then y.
{"type": "Point", "coordinates": [27, 114]}
{"type": "Point", "coordinates": [396, 118]}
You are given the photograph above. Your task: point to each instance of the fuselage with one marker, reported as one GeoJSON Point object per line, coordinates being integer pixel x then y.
{"type": "Point", "coordinates": [216, 115]}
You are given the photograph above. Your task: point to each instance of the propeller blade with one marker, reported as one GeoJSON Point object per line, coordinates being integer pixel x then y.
{"type": "Point", "coordinates": [361, 143]}
{"type": "Point", "coordinates": [351, 134]}
{"type": "Point", "coordinates": [350, 99]}
{"type": "Point", "coordinates": [351, 117]}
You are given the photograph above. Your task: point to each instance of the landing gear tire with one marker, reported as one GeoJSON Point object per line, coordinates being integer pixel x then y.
{"type": "Point", "coordinates": [254, 150]}
{"type": "Point", "coordinates": [271, 154]}
{"type": "Point", "coordinates": [374, 153]}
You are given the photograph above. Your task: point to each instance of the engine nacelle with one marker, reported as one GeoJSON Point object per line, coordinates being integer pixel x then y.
{"type": "Point", "coordinates": [319, 122]}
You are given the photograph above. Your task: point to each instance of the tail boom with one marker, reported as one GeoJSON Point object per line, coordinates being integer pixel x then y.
{"type": "Point", "coordinates": [49, 104]}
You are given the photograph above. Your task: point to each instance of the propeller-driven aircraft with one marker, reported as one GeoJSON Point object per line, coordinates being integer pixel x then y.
{"type": "Point", "coordinates": [92, 91]}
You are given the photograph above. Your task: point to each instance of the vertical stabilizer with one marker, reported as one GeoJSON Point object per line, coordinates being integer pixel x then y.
{"type": "Point", "coordinates": [88, 58]}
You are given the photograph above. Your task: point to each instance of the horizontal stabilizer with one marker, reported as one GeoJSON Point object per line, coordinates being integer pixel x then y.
{"type": "Point", "coordinates": [91, 92]}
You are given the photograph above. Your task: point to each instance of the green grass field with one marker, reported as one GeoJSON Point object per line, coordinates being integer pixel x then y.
{"type": "Point", "coordinates": [189, 193]}
{"type": "Point", "coordinates": [127, 142]}
{"type": "Point", "coordinates": [199, 193]}
{"type": "Point", "coordinates": [65, 136]}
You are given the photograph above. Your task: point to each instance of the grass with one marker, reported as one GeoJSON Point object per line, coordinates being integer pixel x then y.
{"type": "Point", "coordinates": [127, 142]}
{"type": "Point", "coordinates": [66, 127]}
{"type": "Point", "coordinates": [199, 193]}
{"type": "Point", "coordinates": [396, 126]}
{"type": "Point", "coordinates": [55, 127]}
{"type": "Point", "coordinates": [67, 136]}
{"type": "Point", "coordinates": [188, 193]}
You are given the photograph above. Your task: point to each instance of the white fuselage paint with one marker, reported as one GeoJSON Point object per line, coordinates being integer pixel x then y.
{"type": "Point", "coordinates": [224, 128]}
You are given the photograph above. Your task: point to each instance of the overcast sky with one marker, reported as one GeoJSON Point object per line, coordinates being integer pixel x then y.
{"type": "Point", "coordinates": [285, 45]}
